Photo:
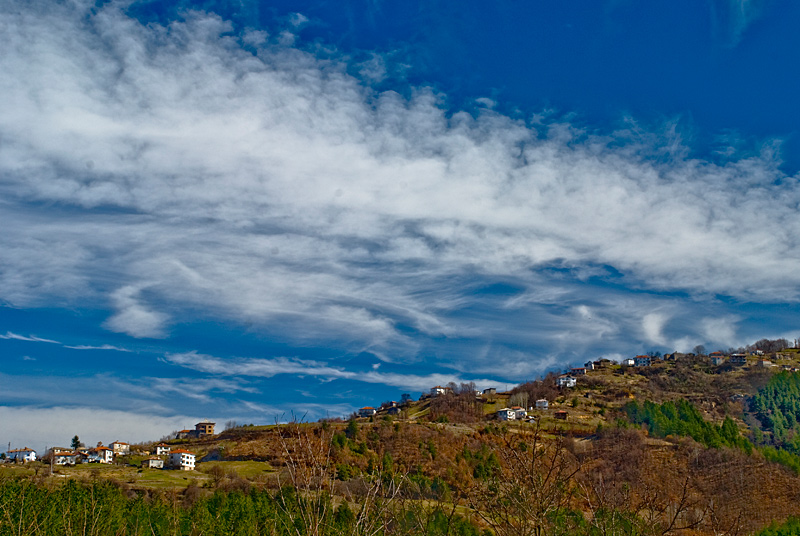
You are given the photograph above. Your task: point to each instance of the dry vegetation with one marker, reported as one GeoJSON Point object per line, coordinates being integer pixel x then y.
{"type": "Point", "coordinates": [452, 466]}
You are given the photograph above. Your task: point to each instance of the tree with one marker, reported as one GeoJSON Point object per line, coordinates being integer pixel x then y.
{"type": "Point", "coordinates": [352, 430]}
{"type": "Point", "coordinates": [76, 443]}
{"type": "Point", "coordinates": [535, 482]}
{"type": "Point", "coordinates": [699, 350]}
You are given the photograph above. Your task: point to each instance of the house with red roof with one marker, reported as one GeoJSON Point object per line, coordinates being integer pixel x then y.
{"type": "Point", "coordinates": [367, 411]}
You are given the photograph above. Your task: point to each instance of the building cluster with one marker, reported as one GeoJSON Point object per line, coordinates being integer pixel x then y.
{"type": "Point", "coordinates": [162, 455]}
{"type": "Point", "coordinates": [201, 429]}
{"type": "Point", "coordinates": [394, 408]}
{"type": "Point", "coordinates": [517, 413]}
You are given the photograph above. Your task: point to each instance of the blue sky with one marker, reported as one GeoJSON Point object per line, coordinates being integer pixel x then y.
{"type": "Point", "coordinates": [249, 210]}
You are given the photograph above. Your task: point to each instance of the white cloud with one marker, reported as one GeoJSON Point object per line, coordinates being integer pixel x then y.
{"type": "Point", "coordinates": [101, 347]}
{"type": "Point", "coordinates": [653, 324]}
{"type": "Point", "coordinates": [31, 338]}
{"type": "Point", "coordinates": [733, 17]}
{"type": "Point", "coordinates": [38, 428]}
{"type": "Point", "coordinates": [267, 368]}
{"type": "Point", "coordinates": [170, 174]}
{"type": "Point", "coordinates": [722, 331]}
{"type": "Point", "coordinates": [133, 317]}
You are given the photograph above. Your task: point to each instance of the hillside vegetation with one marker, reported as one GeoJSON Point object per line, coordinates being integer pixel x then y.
{"type": "Point", "coordinates": [681, 447]}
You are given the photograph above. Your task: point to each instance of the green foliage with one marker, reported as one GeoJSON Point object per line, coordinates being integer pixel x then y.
{"type": "Point", "coordinates": [683, 419]}
{"type": "Point", "coordinates": [339, 440]}
{"type": "Point", "coordinates": [777, 407]}
{"type": "Point", "coordinates": [484, 462]}
{"type": "Point", "coordinates": [790, 528]}
{"type": "Point", "coordinates": [783, 457]}
{"type": "Point", "coordinates": [345, 471]}
{"type": "Point", "coordinates": [102, 508]}
{"type": "Point", "coordinates": [352, 430]}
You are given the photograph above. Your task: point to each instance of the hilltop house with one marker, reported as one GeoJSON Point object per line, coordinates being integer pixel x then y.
{"type": "Point", "coordinates": [717, 360]}
{"type": "Point", "coordinates": [21, 455]}
{"type": "Point", "coordinates": [542, 403]}
{"type": "Point", "coordinates": [439, 390]}
{"type": "Point", "coordinates": [577, 371]}
{"type": "Point", "coordinates": [738, 359]}
{"type": "Point", "coordinates": [162, 449]}
{"type": "Point", "coordinates": [566, 381]}
{"type": "Point", "coordinates": [367, 411]}
{"type": "Point", "coordinates": [204, 428]}
{"type": "Point", "coordinates": [201, 429]}
{"type": "Point", "coordinates": [181, 459]}
{"type": "Point", "coordinates": [641, 361]}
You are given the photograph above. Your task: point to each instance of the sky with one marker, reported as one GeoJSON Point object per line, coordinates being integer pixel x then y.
{"type": "Point", "coordinates": [261, 211]}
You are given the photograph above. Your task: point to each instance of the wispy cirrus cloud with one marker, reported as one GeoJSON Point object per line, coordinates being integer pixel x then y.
{"type": "Point", "coordinates": [31, 338]}
{"type": "Point", "coordinates": [266, 368]}
{"type": "Point", "coordinates": [100, 347]}
{"type": "Point", "coordinates": [733, 17]}
{"type": "Point", "coordinates": [9, 335]}
{"type": "Point", "coordinates": [273, 189]}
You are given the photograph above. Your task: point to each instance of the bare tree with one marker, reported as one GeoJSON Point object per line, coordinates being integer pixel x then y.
{"type": "Point", "coordinates": [536, 481]}
{"type": "Point", "coordinates": [308, 454]}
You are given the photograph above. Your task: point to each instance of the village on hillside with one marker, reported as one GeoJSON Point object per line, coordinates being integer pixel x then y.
{"type": "Point", "coordinates": [719, 360]}
{"type": "Point", "coordinates": [164, 455]}
{"type": "Point", "coordinates": [160, 456]}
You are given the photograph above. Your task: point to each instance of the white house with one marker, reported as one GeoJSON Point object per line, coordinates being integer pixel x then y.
{"type": "Point", "coordinates": [519, 413]}
{"type": "Point", "coordinates": [542, 404]}
{"type": "Point", "coordinates": [120, 448]}
{"type": "Point", "coordinates": [102, 454]}
{"type": "Point", "coordinates": [182, 459]}
{"type": "Point", "coordinates": [717, 360]}
{"type": "Point", "coordinates": [153, 463]}
{"type": "Point", "coordinates": [629, 362]}
{"type": "Point", "coordinates": [506, 414]}
{"type": "Point", "coordinates": [439, 390]}
{"type": "Point", "coordinates": [162, 449]}
{"type": "Point", "coordinates": [589, 365]}
{"type": "Point", "coordinates": [566, 381]}
{"type": "Point", "coordinates": [21, 455]}
{"type": "Point", "coordinates": [65, 458]}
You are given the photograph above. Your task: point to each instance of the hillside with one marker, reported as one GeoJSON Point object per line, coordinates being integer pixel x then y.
{"type": "Point", "coordinates": [681, 446]}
